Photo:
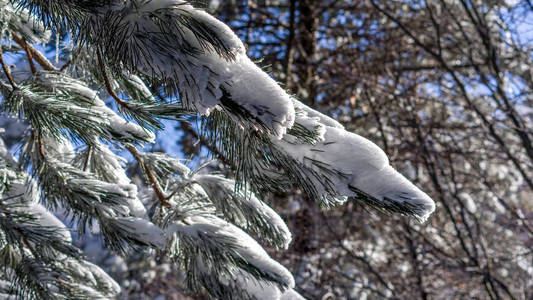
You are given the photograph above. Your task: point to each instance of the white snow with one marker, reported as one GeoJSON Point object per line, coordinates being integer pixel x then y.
{"type": "Point", "coordinates": [128, 130]}
{"type": "Point", "coordinates": [247, 247]}
{"type": "Point", "coordinates": [60, 149]}
{"type": "Point", "coordinates": [311, 113]}
{"type": "Point", "coordinates": [114, 164]}
{"type": "Point", "coordinates": [102, 278]}
{"type": "Point", "coordinates": [253, 89]}
{"type": "Point", "coordinates": [221, 189]}
{"type": "Point", "coordinates": [359, 163]}
{"type": "Point", "coordinates": [140, 87]}
{"type": "Point", "coordinates": [143, 230]}
{"type": "Point", "coordinates": [47, 219]}
{"type": "Point", "coordinates": [256, 289]}
{"type": "Point", "coordinates": [202, 77]}
{"type": "Point", "coordinates": [115, 169]}
{"type": "Point", "coordinates": [6, 155]}
{"type": "Point", "coordinates": [173, 164]}
{"type": "Point", "coordinates": [264, 290]}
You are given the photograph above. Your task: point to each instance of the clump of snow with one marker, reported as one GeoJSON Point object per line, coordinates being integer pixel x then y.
{"type": "Point", "coordinates": [311, 113]}
{"type": "Point", "coordinates": [6, 155]}
{"type": "Point", "coordinates": [206, 80]}
{"type": "Point", "coordinates": [87, 98]}
{"type": "Point", "coordinates": [240, 208]}
{"type": "Point", "coordinates": [60, 149]}
{"type": "Point", "coordinates": [140, 87]}
{"type": "Point", "coordinates": [115, 173]}
{"type": "Point", "coordinates": [349, 165]}
{"type": "Point", "coordinates": [199, 227]}
{"type": "Point", "coordinates": [257, 290]}
{"type": "Point", "coordinates": [102, 278]}
{"type": "Point", "coordinates": [143, 230]}
{"type": "Point", "coordinates": [46, 219]}
{"type": "Point", "coordinates": [291, 294]}
{"type": "Point", "coordinates": [122, 127]}
{"type": "Point", "coordinates": [21, 20]}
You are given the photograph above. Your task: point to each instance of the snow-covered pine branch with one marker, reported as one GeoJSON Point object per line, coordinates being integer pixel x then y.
{"type": "Point", "coordinates": [194, 53]}
{"type": "Point", "coordinates": [245, 210]}
{"type": "Point", "coordinates": [22, 22]}
{"type": "Point", "coordinates": [318, 155]}
{"type": "Point", "coordinates": [191, 52]}
{"type": "Point", "coordinates": [345, 165]}
{"type": "Point", "coordinates": [196, 219]}
{"type": "Point", "coordinates": [36, 252]}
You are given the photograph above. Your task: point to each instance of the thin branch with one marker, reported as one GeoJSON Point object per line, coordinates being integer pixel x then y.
{"type": "Point", "coordinates": [6, 70]}
{"type": "Point", "coordinates": [38, 56]}
{"type": "Point", "coordinates": [108, 83]}
{"type": "Point", "coordinates": [30, 58]}
{"type": "Point", "coordinates": [41, 146]}
{"type": "Point", "coordinates": [87, 157]}
{"type": "Point", "coordinates": [151, 177]}
{"type": "Point", "coordinates": [39, 141]}
{"type": "Point", "coordinates": [187, 128]}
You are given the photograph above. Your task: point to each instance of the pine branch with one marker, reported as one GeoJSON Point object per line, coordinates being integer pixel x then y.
{"type": "Point", "coordinates": [243, 209]}
{"type": "Point", "coordinates": [187, 128]}
{"type": "Point", "coordinates": [151, 177]}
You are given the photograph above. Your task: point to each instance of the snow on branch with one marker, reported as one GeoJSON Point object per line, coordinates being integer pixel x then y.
{"type": "Point", "coordinates": [209, 247]}
{"type": "Point", "coordinates": [317, 154]}
{"type": "Point", "coordinates": [245, 210]}
{"type": "Point", "coordinates": [193, 52]}
{"type": "Point", "coordinates": [22, 21]}
{"type": "Point", "coordinates": [356, 168]}
{"type": "Point", "coordinates": [190, 51]}
{"type": "Point", "coordinates": [36, 251]}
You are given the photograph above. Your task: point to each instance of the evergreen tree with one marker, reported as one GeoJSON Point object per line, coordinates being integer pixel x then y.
{"type": "Point", "coordinates": [161, 60]}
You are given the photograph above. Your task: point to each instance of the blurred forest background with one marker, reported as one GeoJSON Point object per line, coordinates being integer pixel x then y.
{"type": "Point", "coordinates": [445, 87]}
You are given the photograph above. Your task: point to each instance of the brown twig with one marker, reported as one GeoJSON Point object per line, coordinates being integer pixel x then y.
{"type": "Point", "coordinates": [38, 56]}
{"type": "Point", "coordinates": [41, 146]}
{"type": "Point", "coordinates": [151, 177]}
{"type": "Point", "coordinates": [6, 70]}
{"type": "Point", "coordinates": [29, 246]}
{"type": "Point", "coordinates": [39, 141]}
{"type": "Point", "coordinates": [107, 82]}
{"type": "Point", "coordinates": [30, 58]}
{"type": "Point", "coordinates": [149, 173]}
{"type": "Point", "coordinates": [87, 157]}
{"type": "Point", "coordinates": [187, 128]}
